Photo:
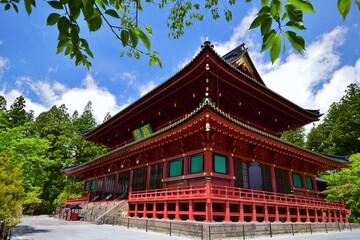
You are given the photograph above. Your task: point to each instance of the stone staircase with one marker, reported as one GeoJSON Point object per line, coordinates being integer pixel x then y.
{"type": "Point", "coordinates": [98, 211]}
{"type": "Point", "coordinates": [120, 209]}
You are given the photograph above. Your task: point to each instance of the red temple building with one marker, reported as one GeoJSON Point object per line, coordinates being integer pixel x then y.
{"type": "Point", "coordinates": [204, 145]}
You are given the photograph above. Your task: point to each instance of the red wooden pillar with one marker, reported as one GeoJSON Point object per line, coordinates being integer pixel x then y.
{"type": "Point", "coordinates": [322, 215]}
{"type": "Point", "coordinates": [329, 216]}
{"type": "Point", "coordinates": [316, 216]}
{"type": "Point", "coordinates": [298, 218]}
{"type": "Point", "coordinates": [266, 213]}
{"type": "Point", "coordinates": [227, 211]}
{"type": "Point", "coordinates": [273, 178]}
{"type": "Point", "coordinates": [208, 161]}
{"type": "Point", "coordinates": [154, 210]}
{"type": "Point", "coordinates": [307, 215]}
{"type": "Point", "coordinates": [291, 182]}
{"type": "Point", "coordinates": [277, 217]}
{"type": "Point", "coordinates": [186, 166]}
{"type": "Point", "coordinates": [232, 171]}
{"type": "Point", "coordinates": [253, 217]}
{"type": "Point", "coordinates": [145, 210]}
{"type": "Point", "coordinates": [241, 217]}
{"type": "Point", "coordinates": [288, 218]}
{"type": "Point", "coordinates": [208, 207]}
{"type": "Point", "coordinates": [165, 210]}
{"type": "Point", "coordinates": [177, 214]}
{"type": "Point", "coordinates": [191, 211]}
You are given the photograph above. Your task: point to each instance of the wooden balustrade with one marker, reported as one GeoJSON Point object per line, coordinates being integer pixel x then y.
{"type": "Point", "coordinates": [234, 194]}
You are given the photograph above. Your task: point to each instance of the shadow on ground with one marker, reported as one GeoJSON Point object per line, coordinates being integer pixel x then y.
{"type": "Point", "coordinates": [27, 230]}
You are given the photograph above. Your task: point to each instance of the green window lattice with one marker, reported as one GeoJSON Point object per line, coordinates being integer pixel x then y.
{"type": "Point", "coordinates": [297, 180]}
{"type": "Point", "coordinates": [93, 184]}
{"type": "Point", "coordinates": [196, 163]}
{"type": "Point", "coordinates": [176, 168]}
{"type": "Point", "coordinates": [309, 183]}
{"type": "Point", "coordinates": [220, 164]}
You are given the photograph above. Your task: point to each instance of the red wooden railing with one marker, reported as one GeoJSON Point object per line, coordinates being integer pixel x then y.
{"type": "Point", "coordinates": [233, 194]}
{"type": "Point", "coordinates": [74, 201]}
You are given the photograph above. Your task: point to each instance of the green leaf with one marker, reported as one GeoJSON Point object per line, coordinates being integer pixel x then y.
{"type": "Point", "coordinates": [304, 5]}
{"type": "Point", "coordinates": [145, 40]}
{"type": "Point", "coordinates": [55, 4]}
{"type": "Point", "coordinates": [264, 3]}
{"type": "Point", "coordinates": [275, 9]}
{"type": "Point", "coordinates": [263, 10]}
{"type": "Point", "coordinates": [275, 49]}
{"type": "Point", "coordinates": [134, 38]}
{"type": "Point", "coordinates": [124, 37]}
{"type": "Point", "coordinates": [94, 23]}
{"type": "Point", "coordinates": [228, 15]}
{"type": "Point", "coordinates": [297, 42]}
{"type": "Point", "coordinates": [15, 7]}
{"type": "Point", "coordinates": [28, 6]}
{"type": "Point", "coordinates": [285, 16]}
{"type": "Point", "coordinates": [112, 13]}
{"type": "Point", "coordinates": [258, 20]}
{"type": "Point", "coordinates": [7, 6]}
{"type": "Point", "coordinates": [63, 25]}
{"type": "Point", "coordinates": [294, 13]}
{"type": "Point", "coordinates": [148, 30]}
{"type": "Point", "coordinates": [266, 26]}
{"type": "Point", "coordinates": [52, 19]}
{"type": "Point", "coordinates": [344, 7]}
{"type": "Point", "coordinates": [296, 25]}
{"type": "Point", "coordinates": [268, 40]}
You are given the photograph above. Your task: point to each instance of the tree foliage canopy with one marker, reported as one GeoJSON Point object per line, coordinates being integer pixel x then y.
{"type": "Point", "coordinates": [278, 20]}
{"type": "Point", "coordinates": [339, 133]}
{"type": "Point", "coordinates": [345, 185]}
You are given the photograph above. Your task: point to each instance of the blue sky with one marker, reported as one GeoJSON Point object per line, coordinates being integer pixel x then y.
{"type": "Point", "coordinates": [29, 66]}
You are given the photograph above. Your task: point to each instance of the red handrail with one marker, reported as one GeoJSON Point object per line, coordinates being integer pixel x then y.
{"type": "Point", "coordinates": [233, 193]}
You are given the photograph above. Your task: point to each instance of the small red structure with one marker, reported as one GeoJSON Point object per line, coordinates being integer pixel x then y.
{"type": "Point", "coordinates": [204, 145]}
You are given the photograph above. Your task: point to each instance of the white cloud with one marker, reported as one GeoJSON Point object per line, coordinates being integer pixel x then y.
{"type": "Point", "coordinates": [30, 105]}
{"type": "Point", "coordinates": [129, 77]}
{"type": "Point", "coordinates": [56, 93]}
{"type": "Point", "coordinates": [300, 78]}
{"type": "Point", "coordinates": [240, 35]}
{"type": "Point", "coordinates": [145, 88]}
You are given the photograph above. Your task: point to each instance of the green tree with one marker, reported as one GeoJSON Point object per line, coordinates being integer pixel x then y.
{"type": "Point", "coordinates": [277, 20]}
{"type": "Point", "coordinates": [17, 114]}
{"type": "Point", "coordinates": [55, 126]}
{"type": "Point", "coordinates": [296, 137]}
{"type": "Point", "coordinates": [11, 193]}
{"type": "Point", "coordinates": [339, 133]}
{"type": "Point", "coordinates": [107, 117]}
{"type": "Point", "coordinates": [29, 151]}
{"type": "Point", "coordinates": [345, 185]}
